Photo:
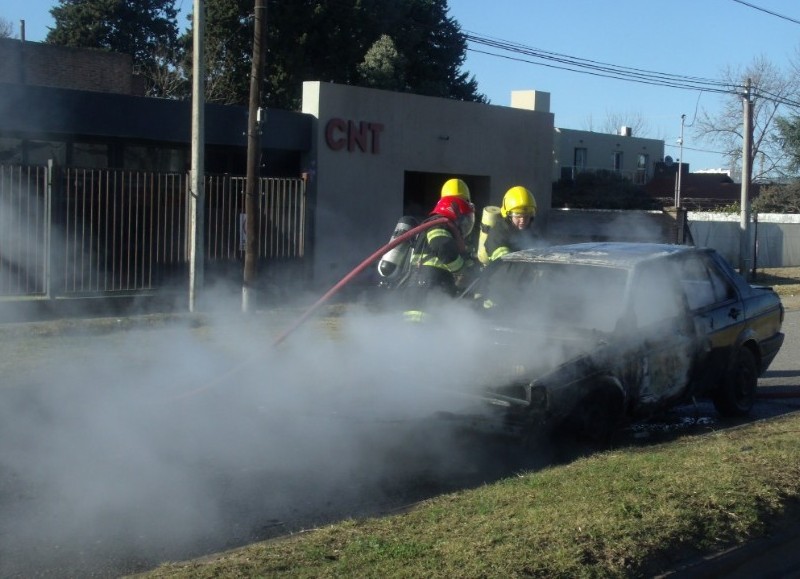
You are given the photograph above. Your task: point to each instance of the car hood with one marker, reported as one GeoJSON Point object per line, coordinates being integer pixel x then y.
{"type": "Point", "coordinates": [515, 354]}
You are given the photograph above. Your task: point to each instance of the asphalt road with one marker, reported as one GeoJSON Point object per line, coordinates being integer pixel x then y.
{"type": "Point", "coordinates": [86, 534]}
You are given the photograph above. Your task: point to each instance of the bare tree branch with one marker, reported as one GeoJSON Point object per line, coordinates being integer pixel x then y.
{"type": "Point", "coordinates": [723, 129]}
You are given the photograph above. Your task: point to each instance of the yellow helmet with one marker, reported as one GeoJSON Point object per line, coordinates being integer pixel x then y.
{"type": "Point", "coordinates": [455, 188]}
{"type": "Point", "coordinates": [518, 200]}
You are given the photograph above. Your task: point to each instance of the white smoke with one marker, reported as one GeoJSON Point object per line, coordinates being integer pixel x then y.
{"type": "Point", "coordinates": [152, 443]}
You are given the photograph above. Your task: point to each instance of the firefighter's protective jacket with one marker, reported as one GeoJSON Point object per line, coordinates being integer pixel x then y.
{"type": "Point", "coordinates": [503, 238]}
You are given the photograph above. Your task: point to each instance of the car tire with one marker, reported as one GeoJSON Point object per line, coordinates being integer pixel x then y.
{"type": "Point", "coordinates": [736, 395]}
{"type": "Point", "coordinates": [595, 418]}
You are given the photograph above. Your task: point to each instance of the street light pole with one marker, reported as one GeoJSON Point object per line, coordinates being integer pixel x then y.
{"type": "Point", "coordinates": [680, 164]}
{"type": "Point", "coordinates": [196, 186]}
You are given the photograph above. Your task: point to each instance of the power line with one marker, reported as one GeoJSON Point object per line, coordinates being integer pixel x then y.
{"type": "Point", "coordinates": [776, 98]}
{"type": "Point", "coordinates": [596, 68]}
{"type": "Point", "coordinates": [559, 61]}
{"type": "Point", "coordinates": [685, 148]}
{"type": "Point", "coordinates": [767, 11]}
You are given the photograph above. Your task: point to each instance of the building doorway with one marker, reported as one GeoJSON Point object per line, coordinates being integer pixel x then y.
{"type": "Point", "coordinates": [421, 191]}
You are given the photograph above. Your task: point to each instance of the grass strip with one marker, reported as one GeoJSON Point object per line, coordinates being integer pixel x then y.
{"type": "Point", "coordinates": [621, 513]}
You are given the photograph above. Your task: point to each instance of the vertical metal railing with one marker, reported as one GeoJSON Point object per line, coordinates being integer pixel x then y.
{"type": "Point", "coordinates": [122, 230]}
{"type": "Point", "coordinates": [114, 231]}
{"type": "Point", "coordinates": [24, 206]}
{"type": "Point", "coordinates": [282, 210]}
{"type": "Point", "coordinates": [281, 218]}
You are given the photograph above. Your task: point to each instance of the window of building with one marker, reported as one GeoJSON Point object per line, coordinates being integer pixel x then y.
{"type": "Point", "coordinates": [90, 155]}
{"type": "Point", "coordinates": [642, 160]}
{"type": "Point", "coordinates": [159, 159]}
{"type": "Point", "coordinates": [11, 151]}
{"type": "Point", "coordinates": [40, 152]}
{"type": "Point", "coordinates": [616, 161]}
{"type": "Point", "coordinates": [581, 157]}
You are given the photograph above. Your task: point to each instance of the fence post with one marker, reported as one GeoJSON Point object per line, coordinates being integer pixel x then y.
{"type": "Point", "coordinates": [48, 231]}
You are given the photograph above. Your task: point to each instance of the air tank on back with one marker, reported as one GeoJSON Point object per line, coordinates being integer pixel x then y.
{"type": "Point", "coordinates": [393, 261]}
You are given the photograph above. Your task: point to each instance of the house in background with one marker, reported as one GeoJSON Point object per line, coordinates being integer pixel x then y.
{"type": "Point", "coordinates": [631, 157]}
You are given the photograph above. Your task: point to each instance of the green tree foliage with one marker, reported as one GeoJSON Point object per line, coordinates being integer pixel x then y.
{"type": "Point", "coordinates": [789, 128]}
{"type": "Point", "coordinates": [229, 50]}
{"type": "Point", "coordinates": [778, 198]}
{"type": "Point", "coordinates": [405, 45]}
{"type": "Point", "coordinates": [383, 66]}
{"type": "Point", "coordinates": [145, 29]}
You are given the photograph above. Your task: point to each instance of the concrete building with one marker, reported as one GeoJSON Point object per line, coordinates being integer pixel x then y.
{"type": "Point", "coordinates": [377, 155]}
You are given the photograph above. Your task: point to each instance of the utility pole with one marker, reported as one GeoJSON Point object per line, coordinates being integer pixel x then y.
{"type": "Point", "coordinates": [747, 171]}
{"type": "Point", "coordinates": [252, 192]}
{"type": "Point", "coordinates": [196, 185]}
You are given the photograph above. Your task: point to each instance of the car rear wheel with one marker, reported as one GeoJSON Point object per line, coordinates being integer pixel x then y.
{"type": "Point", "coordinates": [737, 393]}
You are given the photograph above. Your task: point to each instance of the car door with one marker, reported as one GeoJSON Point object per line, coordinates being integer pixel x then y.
{"type": "Point", "coordinates": [666, 338]}
{"type": "Point", "coordinates": [717, 311]}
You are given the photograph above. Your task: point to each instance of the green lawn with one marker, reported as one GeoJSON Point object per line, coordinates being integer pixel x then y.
{"type": "Point", "coordinates": [631, 512]}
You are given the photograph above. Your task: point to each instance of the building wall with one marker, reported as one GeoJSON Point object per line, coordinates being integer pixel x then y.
{"type": "Point", "coordinates": [600, 148]}
{"type": "Point", "coordinates": [358, 194]}
{"type": "Point", "coordinates": [39, 64]}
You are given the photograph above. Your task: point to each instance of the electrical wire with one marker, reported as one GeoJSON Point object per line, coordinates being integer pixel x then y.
{"type": "Point", "coordinates": [597, 68]}
{"type": "Point", "coordinates": [767, 11]}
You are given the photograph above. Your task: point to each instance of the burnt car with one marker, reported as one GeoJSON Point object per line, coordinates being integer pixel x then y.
{"type": "Point", "coordinates": [588, 336]}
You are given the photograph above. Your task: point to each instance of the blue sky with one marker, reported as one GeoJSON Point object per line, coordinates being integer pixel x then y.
{"type": "Point", "coordinates": [685, 37]}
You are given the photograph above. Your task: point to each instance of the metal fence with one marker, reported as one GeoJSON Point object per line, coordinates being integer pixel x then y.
{"type": "Point", "coordinates": [24, 230]}
{"type": "Point", "coordinates": [78, 232]}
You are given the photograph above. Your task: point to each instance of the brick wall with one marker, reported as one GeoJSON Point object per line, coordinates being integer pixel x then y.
{"type": "Point", "coordinates": [40, 64]}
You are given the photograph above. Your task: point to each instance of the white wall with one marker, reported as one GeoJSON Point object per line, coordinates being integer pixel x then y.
{"type": "Point", "coordinates": [774, 238]}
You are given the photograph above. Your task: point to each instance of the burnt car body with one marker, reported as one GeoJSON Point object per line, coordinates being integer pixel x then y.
{"type": "Point", "coordinates": [592, 335]}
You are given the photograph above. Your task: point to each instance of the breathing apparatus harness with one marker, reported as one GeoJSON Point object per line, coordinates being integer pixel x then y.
{"type": "Point", "coordinates": [396, 266]}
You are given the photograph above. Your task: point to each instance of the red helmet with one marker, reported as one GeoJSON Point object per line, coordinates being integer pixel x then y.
{"type": "Point", "coordinates": [458, 210]}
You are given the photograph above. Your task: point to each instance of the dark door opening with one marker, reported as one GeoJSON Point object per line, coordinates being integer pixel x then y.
{"type": "Point", "coordinates": [421, 192]}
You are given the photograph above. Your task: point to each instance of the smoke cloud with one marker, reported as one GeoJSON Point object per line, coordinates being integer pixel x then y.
{"type": "Point", "coordinates": [151, 444]}
{"type": "Point", "coordinates": [124, 448]}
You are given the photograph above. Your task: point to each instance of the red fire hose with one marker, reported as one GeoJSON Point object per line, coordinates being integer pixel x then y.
{"type": "Point", "coordinates": [343, 282]}
{"type": "Point", "coordinates": [361, 267]}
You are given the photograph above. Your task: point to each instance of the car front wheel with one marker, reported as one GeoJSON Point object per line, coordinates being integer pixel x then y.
{"type": "Point", "coordinates": [736, 394]}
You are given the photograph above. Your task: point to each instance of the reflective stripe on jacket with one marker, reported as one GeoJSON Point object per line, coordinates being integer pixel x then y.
{"type": "Point", "coordinates": [440, 249]}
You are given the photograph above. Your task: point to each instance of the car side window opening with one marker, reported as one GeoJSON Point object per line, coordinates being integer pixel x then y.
{"type": "Point", "coordinates": [703, 285]}
{"type": "Point", "coordinates": [655, 297]}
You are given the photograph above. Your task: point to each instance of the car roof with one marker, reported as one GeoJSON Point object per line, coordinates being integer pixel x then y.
{"type": "Point", "coordinates": [607, 253]}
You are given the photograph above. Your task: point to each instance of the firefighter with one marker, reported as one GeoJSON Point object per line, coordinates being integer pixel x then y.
{"type": "Point", "coordinates": [513, 231]}
{"type": "Point", "coordinates": [441, 262]}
